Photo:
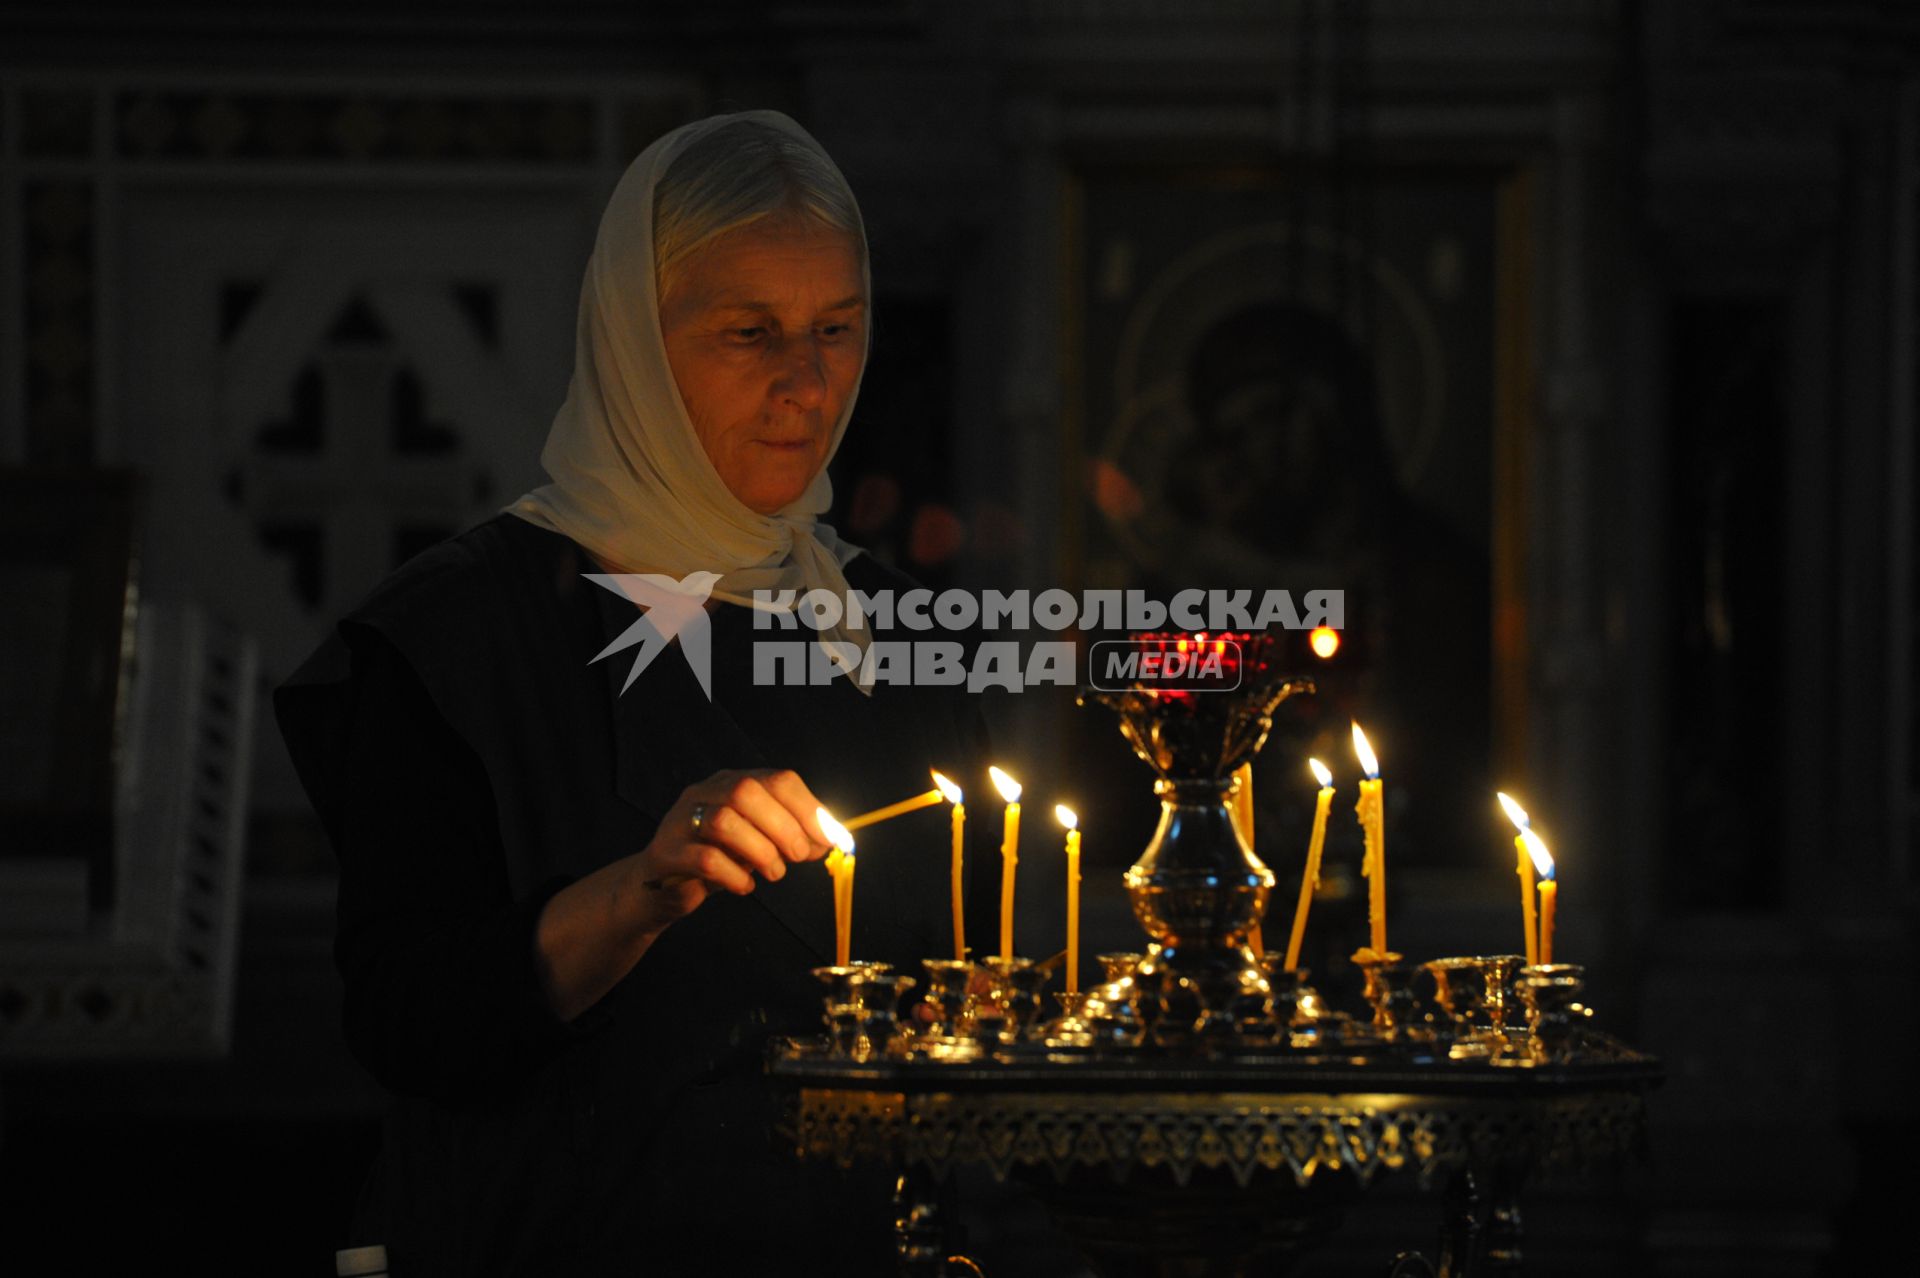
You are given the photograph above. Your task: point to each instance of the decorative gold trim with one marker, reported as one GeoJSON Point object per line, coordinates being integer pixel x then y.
{"type": "Point", "coordinates": [1305, 1134]}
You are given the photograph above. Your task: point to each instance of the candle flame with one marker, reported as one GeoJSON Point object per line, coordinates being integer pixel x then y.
{"type": "Point", "coordinates": [948, 788]}
{"type": "Point", "coordinates": [1537, 849]}
{"type": "Point", "coordinates": [836, 833]}
{"type": "Point", "coordinates": [1009, 788]}
{"type": "Point", "coordinates": [1320, 773]}
{"type": "Point", "coordinates": [1515, 813]}
{"type": "Point", "coordinates": [1325, 641]}
{"type": "Point", "coordinates": [1065, 816]}
{"type": "Point", "coordinates": [1364, 752]}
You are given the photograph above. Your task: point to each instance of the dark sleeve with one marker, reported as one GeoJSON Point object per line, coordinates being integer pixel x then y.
{"type": "Point", "coordinates": [442, 995]}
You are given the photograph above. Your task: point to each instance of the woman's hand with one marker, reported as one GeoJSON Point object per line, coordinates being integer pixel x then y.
{"type": "Point", "coordinates": [595, 929]}
{"type": "Point", "coordinates": [751, 823]}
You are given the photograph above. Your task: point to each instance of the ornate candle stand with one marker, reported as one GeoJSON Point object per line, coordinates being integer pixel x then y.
{"type": "Point", "coordinates": [1217, 1165]}
{"type": "Point", "coordinates": [1197, 1111]}
{"type": "Point", "coordinates": [1198, 888]}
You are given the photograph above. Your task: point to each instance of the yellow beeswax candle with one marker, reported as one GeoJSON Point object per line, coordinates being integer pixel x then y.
{"type": "Point", "coordinates": [892, 810]}
{"type": "Point", "coordinates": [840, 864]}
{"type": "Point", "coordinates": [1310, 877]}
{"type": "Point", "coordinates": [1549, 891]}
{"type": "Point", "coordinates": [952, 794]}
{"type": "Point", "coordinates": [1243, 818]}
{"type": "Point", "coordinates": [842, 938]}
{"type": "Point", "coordinates": [1009, 855]}
{"type": "Point", "coordinates": [1065, 815]}
{"type": "Point", "coordinates": [1524, 868]}
{"type": "Point", "coordinates": [844, 947]}
{"type": "Point", "coordinates": [1370, 811]}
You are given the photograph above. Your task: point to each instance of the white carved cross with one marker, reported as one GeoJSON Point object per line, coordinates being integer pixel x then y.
{"type": "Point", "coordinates": [357, 489]}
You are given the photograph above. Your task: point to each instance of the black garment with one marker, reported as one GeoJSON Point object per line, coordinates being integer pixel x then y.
{"type": "Point", "coordinates": [469, 762]}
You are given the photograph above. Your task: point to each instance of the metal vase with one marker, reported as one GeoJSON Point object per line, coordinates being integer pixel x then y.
{"type": "Point", "coordinates": [1196, 891]}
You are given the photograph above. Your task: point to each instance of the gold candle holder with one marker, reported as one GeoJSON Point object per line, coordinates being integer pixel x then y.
{"type": "Point", "coordinates": [1007, 1011]}
{"type": "Point", "coordinates": [1112, 1006]}
{"type": "Point", "coordinates": [1297, 1011]}
{"type": "Point", "coordinates": [1551, 992]}
{"type": "Point", "coordinates": [1458, 988]}
{"type": "Point", "coordinates": [1389, 992]}
{"type": "Point", "coordinates": [1498, 998]}
{"type": "Point", "coordinates": [1071, 1031]}
{"type": "Point", "coordinates": [862, 1011]}
{"type": "Point", "coordinates": [949, 1036]}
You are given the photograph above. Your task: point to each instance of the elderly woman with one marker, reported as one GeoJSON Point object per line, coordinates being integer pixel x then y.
{"type": "Point", "coordinates": [572, 912]}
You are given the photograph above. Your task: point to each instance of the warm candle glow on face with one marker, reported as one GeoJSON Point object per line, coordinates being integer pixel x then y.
{"type": "Point", "coordinates": [1515, 813]}
{"type": "Point", "coordinates": [947, 788]}
{"type": "Point", "coordinates": [1321, 773]}
{"type": "Point", "coordinates": [1065, 816]}
{"type": "Point", "coordinates": [836, 833]}
{"type": "Point", "coordinates": [1364, 752]}
{"type": "Point", "coordinates": [1537, 849]}
{"type": "Point", "coordinates": [1325, 641]}
{"type": "Point", "coordinates": [1008, 787]}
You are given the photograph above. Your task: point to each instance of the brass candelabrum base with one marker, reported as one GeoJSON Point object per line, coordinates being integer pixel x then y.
{"type": "Point", "coordinates": [1198, 888]}
{"type": "Point", "coordinates": [1196, 891]}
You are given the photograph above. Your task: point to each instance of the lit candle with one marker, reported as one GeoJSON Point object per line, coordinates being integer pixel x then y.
{"type": "Point", "coordinates": [840, 865]}
{"type": "Point", "coordinates": [1243, 817]}
{"type": "Point", "coordinates": [892, 810]}
{"type": "Point", "coordinates": [1373, 823]}
{"type": "Point", "coordinates": [1065, 815]}
{"type": "Point", "coordinates": [1009, 855]}
{"type": "Point", "coordinates": [1523, 868]}
{"type": "Point", "coordinates": [951, 793]}
{"type": "Point", "coordinates": [1549, 891]}
{"type": "Point", "coordinates": [842, 920]}
{"type": "Point", "coordinates": [1310, 877]}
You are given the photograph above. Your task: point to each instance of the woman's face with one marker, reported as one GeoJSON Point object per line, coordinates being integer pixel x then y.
{"type": "Point", "coordinates": [765, 329]}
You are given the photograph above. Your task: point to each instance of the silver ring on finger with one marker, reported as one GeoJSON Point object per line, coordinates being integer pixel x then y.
{"type": "Point", "coordinates": [697, 821]}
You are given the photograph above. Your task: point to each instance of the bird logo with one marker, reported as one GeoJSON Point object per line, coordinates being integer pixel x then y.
{"type": "Point", "coordinates": [670, 609]}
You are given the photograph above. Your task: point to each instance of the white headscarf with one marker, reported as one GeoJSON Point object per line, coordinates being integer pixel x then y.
{"type": "Point", "coordinates": [631, 482]}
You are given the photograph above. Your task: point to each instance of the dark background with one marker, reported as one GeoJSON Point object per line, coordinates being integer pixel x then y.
{"type": "Point", "coordinates": [307, 274]}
